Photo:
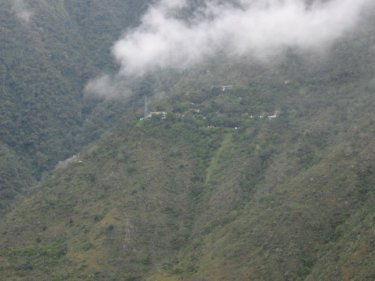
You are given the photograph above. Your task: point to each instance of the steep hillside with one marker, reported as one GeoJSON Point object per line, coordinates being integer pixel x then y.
{"type": "Point", "coordinates": [48, 51]}
{"type": "Point", "coordinates": [46, 60]}
{"type": "Point", "coordinates": [14, 176]}
{"type": "Point", "coordinates": [214, 191]}
{"type": "Point", "coordinates": [242, 171]}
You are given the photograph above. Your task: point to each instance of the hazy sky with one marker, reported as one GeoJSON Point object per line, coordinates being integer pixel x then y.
{"type": "Point", "coordinates": [261, 29]}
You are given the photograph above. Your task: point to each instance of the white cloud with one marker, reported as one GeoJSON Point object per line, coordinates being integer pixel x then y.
{"type": "Point", "coordinates": [106, 86]}
{"type": "Point", "coordinates": [261, 29]}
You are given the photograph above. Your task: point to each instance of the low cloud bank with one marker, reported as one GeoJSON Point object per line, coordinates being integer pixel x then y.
{"type": "Point", "coordinates": [260, 29]}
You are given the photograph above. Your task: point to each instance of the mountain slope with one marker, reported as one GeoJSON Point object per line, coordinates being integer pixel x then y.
{"type": "Point", "coordinates": [271, 178]}
{"type": "Point", "coordinates": [45, 63]}
{"type": "Point", "coordinates": [14, 176]}
{"type": "Point", "coordinates": [44, 66]}
{"type": "Point", "coordinates": [193, 198]}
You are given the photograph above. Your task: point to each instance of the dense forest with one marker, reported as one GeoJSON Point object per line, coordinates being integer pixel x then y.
{"type": "Point", "coordinates": [45, 63]}
{"type": "Point", "coordinates": [236, 169]}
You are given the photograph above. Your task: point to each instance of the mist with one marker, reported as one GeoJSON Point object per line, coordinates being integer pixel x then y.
{"type": "Point", "coordinates": [170, 37]}
{"type": "Point", "coordinates": [21, 10]}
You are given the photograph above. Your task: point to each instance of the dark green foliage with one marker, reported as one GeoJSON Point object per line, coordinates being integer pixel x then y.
{"type": "Point", "coordinates": [14, 176]}
{"type": "Point", "coordinates": [44, 67]}
{"type": "Point", "coordinates": [208, 193]}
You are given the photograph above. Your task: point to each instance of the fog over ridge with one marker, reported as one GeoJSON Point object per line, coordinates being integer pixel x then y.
{"type": "Point", "coordinates": [261, 29]}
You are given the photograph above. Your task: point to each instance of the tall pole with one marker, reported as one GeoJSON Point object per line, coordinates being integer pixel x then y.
{"type": "Point", "coordinates": [146, 107]}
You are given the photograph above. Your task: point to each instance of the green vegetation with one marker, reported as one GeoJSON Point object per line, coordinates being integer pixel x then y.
{"type": "Point", "coordinates": [14, 176]}
{"type": "Point", "coordinates": [216, 157]}
{"type": "Point", "coordinates": [212, 192]}
{"type": "Point", "coordinates": [181, 199]}
{"type": "Point", "coordinates": [44, 66]}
